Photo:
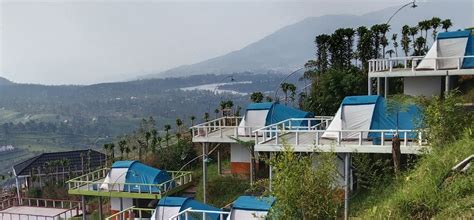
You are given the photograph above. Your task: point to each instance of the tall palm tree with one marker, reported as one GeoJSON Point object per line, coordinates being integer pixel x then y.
{"type": "Point", "coordinates": [424, 25]}
{"type": "Point", "coordinates": [435, 23]}
{"type": "Point", "coordinates": [256, 97]}
{"type": "Point", "coordinates": [206, 116]}
{"type": "Point", "coordinates": [122, 145]}
{"type": "Point", "coordinates": [446, 24]}
{"type": "Point", "coordinates": [179, 124]}
{"type": "Point", "coordinates": [390, 52]}
{"type": "Point", "coordinates": [192, 119]}
{"type": "Point", "coordinates": [413, 31]}
{"type": "Point", "coordinates": [395, 44]}
{"type": "Point", "coordinates": [167, 137]}
{"type": "Point", "coordinates": [384, 28]}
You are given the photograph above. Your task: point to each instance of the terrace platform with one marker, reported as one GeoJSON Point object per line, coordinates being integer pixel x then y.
{"type": "Point", "coordinates": [222, 130]}
{"type": "Point", "coordinates": [273, 138]}
{"type": "Point", "coordinates": [36, 213]}
{"type": "Point", "coordinates": [90, 185]}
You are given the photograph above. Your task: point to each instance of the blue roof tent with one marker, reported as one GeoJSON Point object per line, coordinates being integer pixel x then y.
{"type": "Point", "coordinates": [467, 62]}
{"type": "Point", "coordinates": [185, 203]}
{"type": "Point", "coordinates": [278, 112]}
{"type": "Point", "coordinates": [379, 119]}
{"type": "Point", "coordinates": [143, 174]}
{"type": "Point", "coordinates": [253, 203]}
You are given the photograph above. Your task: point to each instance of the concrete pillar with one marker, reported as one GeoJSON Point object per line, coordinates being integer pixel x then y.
{"type": "Point", "coordinates": [385, 94]}
{"type": "Point", "coordinates": [100, 209]}
{"type": "Point", "coordinates": [347, 171]}
{"type": "Point", "coordinates": [83, 204]}
{"type": "Point", "coordinates": [204, 173]}
{"type": "Point", "coordinates": [378, 85]}
{"type": "Point", "coordinates": [446, 86]}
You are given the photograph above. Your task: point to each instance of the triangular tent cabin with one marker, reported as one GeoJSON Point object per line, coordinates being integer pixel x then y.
{"type": "Point", "coordinates": [451, 47]}
{"type": "Point", "coordinates": [258, 115]}
{"type": "Point", "coordinates": [170, 206]}
{"type": "Point", "coordinates": [251, 208]}
{"type": "Point", "coordinates": [133, 173]}
{"type": "Point", "coordinates": [363, 113]}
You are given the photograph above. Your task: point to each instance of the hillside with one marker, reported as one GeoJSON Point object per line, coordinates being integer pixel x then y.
{"type": "Point", "coordinates": [4, 81]}
{"type": "Point", "coordinates": [291, 46]}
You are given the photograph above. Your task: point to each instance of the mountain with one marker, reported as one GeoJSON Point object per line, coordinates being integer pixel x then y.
{"type": "Point", "coordinates": [4, 81]}
{"type": "Point", "coordinates": [291, 46]}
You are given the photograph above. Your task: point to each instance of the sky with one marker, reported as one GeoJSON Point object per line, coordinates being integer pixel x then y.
{"type": "Point", "coordinates": [85, 42]}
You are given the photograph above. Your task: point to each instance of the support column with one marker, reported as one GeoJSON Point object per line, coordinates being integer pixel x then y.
{"type": "Point", "coordinates": [385, 94]}
{"type": "Point", "coordinates": [121, 209]}
{"type": "Point", "coordinates": [446, 84]}
{"type": "Point", "coordinates": [100, 208]}
{"type": "Point", "coordinates": [219, 166]}
{"type": "Point", "coordinates": [83, 204]}
{"type": "Point", "coordinates": [347, 171]}
{"type": "Point", "coordinates": [204, 172]}
{"type": "Point", "coordinates": [369, 86]}
{"type": "Point", "coordinates": [378, 85]}
{"type": "Point", "coordinates": [18, 185]}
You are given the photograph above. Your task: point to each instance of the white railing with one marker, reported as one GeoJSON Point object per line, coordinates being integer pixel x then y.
{"type": "Point", "coordinates": [186, 214]}
{"type": "Point", "coordinates": [131, 213]}
{"type": "Point", "coordinates": [220, 125]}
{"type": "Point", "coordinates": [410, 63]}
{"type": "Point", "coordinates": [274, 135]}
{"type": "Point", "coordinates": [72, 208]}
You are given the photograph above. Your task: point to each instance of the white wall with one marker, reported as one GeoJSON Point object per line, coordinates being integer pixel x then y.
{"type": "Point", "coordinates": [115, 203]}
{"type": "Point", "coordinates": [239, 153]}
{"type": "Point", "coordinates": [422, 86]}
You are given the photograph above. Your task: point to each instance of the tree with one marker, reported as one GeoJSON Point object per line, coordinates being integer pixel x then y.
{"type": "Point", "coordinates": [365, 46]}
{"type": "Point", "coordinates": [192, 119]}
{"type": "Point", "coordinates": [179, 125]}
{"type": "Point", "coordinates": [395, 44]}
{"type": "Point", "coordinates": [390, 52]}
{"type": "Point", "coordinates": [384, 28]}
{"type": "Point", "coordinates": [413, 31]}
{"type": "Point", "coordinates": [206, 116]}
{"type": "Point", "coordinates": [216, 111]}
{"type": "Point", "coordinates": [167, 136]}
{"type": "Point", "coordinates": [424, 25]}
{"type": "Point", "coordinates": [405, 41]}
{"type": "Point", "coordinates": [122, 145]}
{"type": "Point", "coordinates": [322, 52]}
{"type": "Point", "coordinates": [435, 23]}
{"type": "Point", "coordinates": [420, 46]}
{"type": "Point", "coordinates": [446, 24]}
{"type": "Point", "coordinates": [288, 87]}
{"type": "Point", "coordinates": [256, 97]}
{"type": "Point", "coordinates": [304, 191]}
{"type": "Point", "coordinates": [268, 99]}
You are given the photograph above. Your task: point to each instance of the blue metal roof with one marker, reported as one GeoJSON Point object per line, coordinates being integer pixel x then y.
{"type": "Point", "coordinates": [254, 203]}
{"type": "Point", "coordinates": [453, 34]}
{"type": "Point", "coordinates": [185, 203]}
{"type": "Point", "coordinates": [260, 106]}
{"type": "Point", "coordinates": [123, 163]}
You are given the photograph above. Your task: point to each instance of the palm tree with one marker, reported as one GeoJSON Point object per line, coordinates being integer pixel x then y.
{"type": "Point", "coordinates": [390, 52]}
{"type": "Point", "coordinates": [192, 119]}
{"type": "Point", "coordinates": [206, 116]}
{"type": "Point", "coordinates": [435, 23]}
{"type": "Point", "coordinates": [413, 31]}
{"type": "Point", "coordinates": [256, 97]}
{"type": "Point", "coordinates": [216, 111]}
{"type": "Point", "coordinates": [288, 87]}
{"type": "Point", "coordinates": [268, 99]}
{"type": "Point", "coordinates": [446, 24]}
{"type": "Point", "coordinates": [419, 46]}
{"type": "Point", "coordinates": [159, 139]}
{"type": "Point", "coordinates": [384, 28]}
{"type": "Point", "coordinates": [167, 137]}
{"type": "Point", "coordinates": [179, 124]}
{"type": "Point", "coordinates": [395, 44]}
{"type": "Point", "coordinates": [122, 145]}
{"type": "Point", "coordinates": [424, 25]}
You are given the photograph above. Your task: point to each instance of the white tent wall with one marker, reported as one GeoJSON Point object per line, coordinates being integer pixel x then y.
{"type": "Point", "coordinates": [165, 212]}
{"type": "Point", "coordinates": [238, 214]}
{"type": "Point", "coordinates": [451, 48]}
{"type": "Point", "coordinates": [335, 125]}
{"type": "Point", "coordinates": [351, 117]}
{"type": "Point", "coordinates": [115, 175]}
{"type": "Point", "coordinates": [252, 118]}
{"type": "Point", "coordinates": [428, 62]}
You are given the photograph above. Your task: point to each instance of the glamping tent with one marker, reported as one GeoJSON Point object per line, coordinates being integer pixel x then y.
{"type": "Point", "coordinates": [450, 44]}
{"type": "Point", "coordinates": [258, 115]}
{"type": "Point", "coordinates": [250, 207]}
{"type": "Point", "coordinates": [369, 113]}
{"type": "Point", "coordinates": [169, 206]}
{"type": "Point", "coordinates": [134, 172]}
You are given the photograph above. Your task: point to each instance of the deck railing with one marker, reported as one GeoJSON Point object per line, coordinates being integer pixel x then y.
{"type": "Point", "coordinates": [72, 208]}
{"type": "Point", "coordinates": [132, 213]}
{"type": "Point", "coordinates": [273, 135]}
{"type": "Point", "coordinates": [410, 63]}
{"type": "Point", "coordinates": [219, 125]}
{"type": "Point", "coordinates": [187, 214]}
{"type": "Point", "coordinates": [94, 180]}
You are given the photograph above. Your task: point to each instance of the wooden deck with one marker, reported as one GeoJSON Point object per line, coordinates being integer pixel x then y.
{"type": "Point", "coordinates": [307, 143]}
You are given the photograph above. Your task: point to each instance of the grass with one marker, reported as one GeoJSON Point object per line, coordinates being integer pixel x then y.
{"type": "Point", "coordinates": [427, 191]}
{"type": "Point", "coordinates": [222, 189]}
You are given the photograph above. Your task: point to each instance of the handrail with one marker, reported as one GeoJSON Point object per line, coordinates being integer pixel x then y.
{"type": "Point", "coordinates": [178, 178]}
{"type": "Point", "coordinates": [204, 124]}
{"type": "Point", "coordinates": [287, 122]}
{"type": "Point", "coordinates": [203, 212]}
{"type": "Point", "coordinates": [129, 212]}
{"type": "Point", "coordinates": [384, 64]}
